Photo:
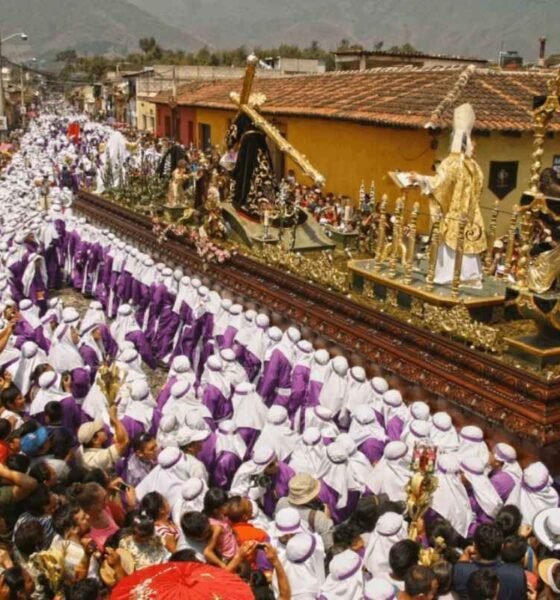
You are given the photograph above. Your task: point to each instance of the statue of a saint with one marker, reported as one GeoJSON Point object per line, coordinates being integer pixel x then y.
{"type": "Point", "coordinates": [455, 191]}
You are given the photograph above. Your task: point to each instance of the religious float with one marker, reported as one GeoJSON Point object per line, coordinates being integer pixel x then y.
{"type": "Point", "coordinates": [486, 351]}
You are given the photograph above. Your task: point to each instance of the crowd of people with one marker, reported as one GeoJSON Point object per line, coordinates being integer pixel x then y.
{"type": "Point", "coordinates": [259, 454]}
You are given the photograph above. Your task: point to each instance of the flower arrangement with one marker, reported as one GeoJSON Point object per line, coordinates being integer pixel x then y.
{"type": "Point", "coordinates": [206, 249]}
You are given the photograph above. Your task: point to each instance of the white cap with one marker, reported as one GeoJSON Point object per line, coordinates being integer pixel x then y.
{"type": "Point", "coordinates": [393, 398]}
{"type": "Point", "coordinates": [263, 455]}
{"type": "Point", "coordinates": [169, 457]}
{"type": "Point", "coordinates": [395, 450]}
{"type": "Point", "coordinates": [340, 365]}
{"type": "Point", "coordinates": [420, 410]}
{"type": "Point", "coordinates": [389, 524]}
{"type": "Point", "coordinates": [277, 415]}
{"type": "Point", "coordinates": [379, 384]}
{"type": "Point", "coordinates": [321, 356]}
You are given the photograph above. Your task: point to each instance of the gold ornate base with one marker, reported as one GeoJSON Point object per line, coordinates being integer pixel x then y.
{"type": "Point", "coordinates": [537, 349]}
{"type": "Point", "coordinates": [415, 286]}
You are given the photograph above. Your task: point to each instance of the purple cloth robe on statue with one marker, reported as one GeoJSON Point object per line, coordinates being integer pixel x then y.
{"type": "Point", "coordinates": [330, 497]}
{"type": "Point", "coordinates": [276, 376]}
{"type": "Point", "coordinates": [278, 490]}
{"type": "Point", "coordinates": [503, 483]}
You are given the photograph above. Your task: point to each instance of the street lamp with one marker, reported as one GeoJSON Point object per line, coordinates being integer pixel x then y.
{"type": "Point", "coordinates": [22, 108]}
{"type": "Point", "coordinates": [22, 36]}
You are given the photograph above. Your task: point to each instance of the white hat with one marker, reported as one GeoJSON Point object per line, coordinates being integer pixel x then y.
{"type": "Point", "coordinates": [311, 436]}
{"type": "Point", "coordinates": [263, 455]}
{"type": "Point", "coordinates": [168, 423]}
{"type": "Point", "coordinates": [340, 365]}
{"type": "Point", "coordinates": [358, 373]}
{"type": "Point", "coordinates": [181, 364]}
{"type": "Point", "coordinates": [379, 589]}
{"type": "Point", "coordinates": [294, 334]}
{"type": "Point", "coordinates": [379, 384]}
{"type": "Point", "coordinates": [546, 526]}
{"type": "Point", "coordinates": [70, 315]}
{"type": "Point", "coordinates": [392, 398]}
{"type": "Point", "coordinates": [139, 390]}
{"type": "Point", "coordinates": [192, 488]}
{"type": "Point", "coordinates": [169, 457]}
{"type": "Point", "coordinates": [274, 333]}
{"type": "Point", "coordinates": [505, 452]}
{"type": "Point", "coordinates": [321, 356]}
{"type": "Point", "coordinates": [124, 310]}
{"type": "Point", "coordinates": [395, 450]}
{"type": "Point", "coordinates": [228, 355]}
{"type": "Point", "coordinates": [277, 415]}
{"type": "Point", "coordinates": [364, 414]}
{"type": "Point", "coordinates": [88, 430]}
{"type": "Point", "coordinates": [29, 349]}
{"type": "Point", "coordinates": [179, 389]}
{"type": "Point", "coordinates": [305, 346]}
{"type": "Point", "coordinates": [261, 320]}
{"type": "Point", "coordinates": [420, 410]}
{"type": "Point", "coordinates": [420, 429]}
{"type": "Point", "coordinates": [472, 433]}
{"type": "Point", "coordinates": [287, 521]}
{"type": "Point", "coordinates": [186, 436]}
{"type": "Point", "coordinates": [442, 421]}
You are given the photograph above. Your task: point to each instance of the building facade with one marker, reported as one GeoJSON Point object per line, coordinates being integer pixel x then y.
{"type": "Point", "coordinates": [356, 127]}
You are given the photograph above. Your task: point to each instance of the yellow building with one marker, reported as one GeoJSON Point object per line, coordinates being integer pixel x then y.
{"type": "Point", "coordinates": [146, 115]}
{"type": "Point", "coordinates": [358, 126]}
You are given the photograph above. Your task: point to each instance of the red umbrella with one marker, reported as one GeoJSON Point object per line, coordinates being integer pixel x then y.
{"type": "Point", "coordinates": [182, 581]}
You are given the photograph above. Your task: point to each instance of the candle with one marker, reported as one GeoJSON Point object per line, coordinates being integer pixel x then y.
{"type": "Point", "coordinates": [347, 213]}
{"type": "Point", "coordinates": [266, 222]}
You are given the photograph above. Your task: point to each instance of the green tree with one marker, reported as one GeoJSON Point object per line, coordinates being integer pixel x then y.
{"type": "Point", "coordinates": [66, 56]}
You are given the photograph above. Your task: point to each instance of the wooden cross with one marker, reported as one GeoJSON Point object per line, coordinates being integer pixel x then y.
{"type": "Point", "coordinates": [248, 102]}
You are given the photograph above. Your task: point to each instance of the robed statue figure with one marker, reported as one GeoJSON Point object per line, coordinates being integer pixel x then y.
{"type": "Point", "coordinates": [455, 192]}
{"type": "Point", "coordinates": [253, 178]}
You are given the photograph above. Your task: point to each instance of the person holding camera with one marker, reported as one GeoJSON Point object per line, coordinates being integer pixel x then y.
{"type": "Point", "coordinates": [304, 497]}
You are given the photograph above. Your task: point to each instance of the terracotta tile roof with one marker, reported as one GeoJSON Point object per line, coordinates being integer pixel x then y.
{"type": "Point", "coordinates": [401, 96]}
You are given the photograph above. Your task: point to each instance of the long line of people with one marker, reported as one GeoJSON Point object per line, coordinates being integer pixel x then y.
{"type": "Point", "coordinates": [259, 454]}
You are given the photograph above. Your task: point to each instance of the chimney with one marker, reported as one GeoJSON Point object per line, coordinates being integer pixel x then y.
{"type": "Point", "coordinates": [542, 51]}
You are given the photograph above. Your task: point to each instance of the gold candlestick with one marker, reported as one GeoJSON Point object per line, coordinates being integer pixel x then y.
{"type": "Point", "coordinates": [511, 240]}
{"type": "Point", "coordinates": [411, 245]}
{"type": "Point", "coordinates": [459, 257]}
{"type": "Point", "coordinates": [434, 249]}
{"type": "Point", "coordinates": [397, 237]}
{"type": "Point", "coordinates": [526, 231]}
{"type": "Point", "coordinates": [491, 238]}
{"type": "Point", "coordinates": [381, 231]}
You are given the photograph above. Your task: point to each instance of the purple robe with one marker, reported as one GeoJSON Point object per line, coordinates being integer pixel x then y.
{"type": "Point", "coordinates": [313, 393]}
{"type": "Point", "coordinates": [219, 406]}
{"type": "Point", "coordinates": [248, 361]}
{"type": "Point", "coordinates": [330, 497]}
{"type": "Point", "coordinates": [372, 449]}
{"type": "Point", "coordinates": [89, 356]}
{"type": "Point", "coordinates": [279, 489]}
{"type": "Point", "coordinates": [225, 467]}
{"type": "Point", "coordinates": [207, 454]}
{"type": "Point", "coordinates": [133, 427]}
{"type": "Point", "coordinates": [24, 332]}
{"type": "Point", "coordinates": [300, 381]}
{"type": "Point", "coordinates": [229, 337]}
{"type": "Point", "coordinates": [81, 382]}
{"type": "Point", "coordinates": [503, 483]}
{"type": "Point", "coordinates": [141, 344]}
{"type": "Point", "coordinates": [249, 436]}
{"type": "Point", "coordinates": [276, 377]}
{"type": "Point", "coordinates": [394, 428]}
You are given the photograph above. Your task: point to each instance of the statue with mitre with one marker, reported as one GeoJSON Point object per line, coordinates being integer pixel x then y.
{"type": "Point", "coordinates": [455, 193]}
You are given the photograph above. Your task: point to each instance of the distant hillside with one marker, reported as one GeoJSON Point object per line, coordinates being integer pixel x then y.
{"type": "Point", "coordinates": [474, 28]}
{"type": "Point", "coordinates": [92, 26]}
